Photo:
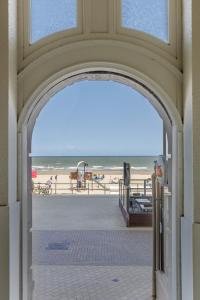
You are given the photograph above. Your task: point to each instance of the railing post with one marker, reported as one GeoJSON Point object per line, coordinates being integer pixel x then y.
{"type": "Point", "coordinates": [119, 189]}
{"type": "Point", "coordinates": [123, 194]}
{"type": "Point", "coordinates": [145, 187]}
{"type": "Point", "coordinates": [127, 197]}
{"type": "Point", "coordinates": [154, 217]}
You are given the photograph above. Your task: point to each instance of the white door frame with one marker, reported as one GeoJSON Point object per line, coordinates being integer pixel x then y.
{"type": "Point", "coordinates": [159, 99]}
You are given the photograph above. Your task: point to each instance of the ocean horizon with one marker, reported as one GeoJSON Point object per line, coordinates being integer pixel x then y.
{"type": "Point", "coordinates": [95, 163]}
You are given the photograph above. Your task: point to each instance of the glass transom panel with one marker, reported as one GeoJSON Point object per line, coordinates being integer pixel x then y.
{"type": "Point", "coordinates": [149, 16]}
{"type": "Point", "coordinates": [51, 16]}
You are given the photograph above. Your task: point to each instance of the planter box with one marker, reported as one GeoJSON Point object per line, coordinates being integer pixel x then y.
{"type": "Point", "coordinates": [136, 220]}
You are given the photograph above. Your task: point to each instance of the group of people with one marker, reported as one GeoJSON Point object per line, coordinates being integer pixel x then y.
{"type": "Point", "coordinates": [98, 177]}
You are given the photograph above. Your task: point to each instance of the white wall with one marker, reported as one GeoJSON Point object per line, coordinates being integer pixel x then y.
{"type": "Point", "coordinates": [8, 153]}
{"type": "Point", "coordinates": [191, 88]}
{"type": "Point", "coordinates": [94, 43]}
{"type": "Point", "coordinates": [99, 46]}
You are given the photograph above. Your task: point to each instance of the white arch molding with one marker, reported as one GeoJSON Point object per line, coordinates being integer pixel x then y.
{"type": "Point", "coordinates": [162, 103]}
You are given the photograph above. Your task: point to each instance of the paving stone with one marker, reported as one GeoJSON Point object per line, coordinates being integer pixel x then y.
{"type": "Point", "coordinates": [83, 251]}
{"type": "Point", "coordinates": [71, 282]}
{"type": "Point", "coordinates": [92, 247]}
{"type": "Point", "coordinates": [77, 212]}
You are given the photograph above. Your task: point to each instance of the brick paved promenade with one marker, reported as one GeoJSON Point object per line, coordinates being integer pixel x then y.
{"type": "Point", "coordinates": [83, 251]}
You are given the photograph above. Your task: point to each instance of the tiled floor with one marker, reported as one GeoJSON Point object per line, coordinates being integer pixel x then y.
{"type": "Point", "coordinates": [92, 283]}
{"type": "Point", "coordinates": [77, 212]}
{"type": "Point", "coordinates": [92, 248]}
{"type": "Point", "coordinates": [83, 251]}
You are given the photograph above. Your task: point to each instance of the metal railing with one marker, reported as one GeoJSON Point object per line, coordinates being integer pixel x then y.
{"type": "Point", "coordinates": [90, 187]}
{"type": "Point", "coordinates": [139, 186]}
{"type": "Point", "coordinates": [142, 186]}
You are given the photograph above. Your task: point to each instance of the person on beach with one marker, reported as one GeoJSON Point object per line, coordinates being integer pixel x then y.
{"type": "Point", "coordinates": [47, 189]}
{"type": "Point", "coordinates": [79, 181]}
{"type": "Point", "coordinates": [49, 182]}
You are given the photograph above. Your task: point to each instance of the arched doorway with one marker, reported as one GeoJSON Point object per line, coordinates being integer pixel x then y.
{"type": "Point", "coordinates": [173, 130]}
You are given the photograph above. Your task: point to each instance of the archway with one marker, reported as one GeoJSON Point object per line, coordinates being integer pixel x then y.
{"type": "Point", "coordinates": [173, 128]}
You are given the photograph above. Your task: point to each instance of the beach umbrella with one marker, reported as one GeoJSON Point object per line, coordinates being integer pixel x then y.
{"type": "Point", "coordinates": [34, 174]}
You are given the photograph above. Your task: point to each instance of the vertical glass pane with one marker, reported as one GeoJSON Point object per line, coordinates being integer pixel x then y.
{"type": "Point", "coordinates": [50, 16]}
{"type": "Point", "coordinates": [149, 16]}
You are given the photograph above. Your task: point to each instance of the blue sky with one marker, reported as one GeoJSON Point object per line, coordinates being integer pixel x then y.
{"type": "Point", "coordinates": [97, 118]}
{"type": "Point", "coordinates": [50, 16]}
{"type": "Point", "coordinates": [150, 16]}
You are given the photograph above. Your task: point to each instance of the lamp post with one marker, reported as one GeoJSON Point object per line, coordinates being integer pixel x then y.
{"type": "Point", "coordinates": [85, 165]}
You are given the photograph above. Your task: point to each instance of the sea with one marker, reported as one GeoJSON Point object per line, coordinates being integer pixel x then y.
{"type": "Point", "coordinates": [139, 164]}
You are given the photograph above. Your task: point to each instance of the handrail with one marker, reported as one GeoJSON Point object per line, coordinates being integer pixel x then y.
{"type": "Point", "coordinates": [125, 192]}
{"type": "Point", "coordinates": [103, 185]}
{"type": "Point", "coordinates": [93, 186]}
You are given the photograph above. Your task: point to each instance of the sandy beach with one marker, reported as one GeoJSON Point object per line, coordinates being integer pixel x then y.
{"type": "Point", "coordinates": [62, 184]}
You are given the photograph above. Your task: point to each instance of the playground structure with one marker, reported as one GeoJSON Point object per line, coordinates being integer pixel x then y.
{"type": "Point", "coordinates": [81, 175]}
